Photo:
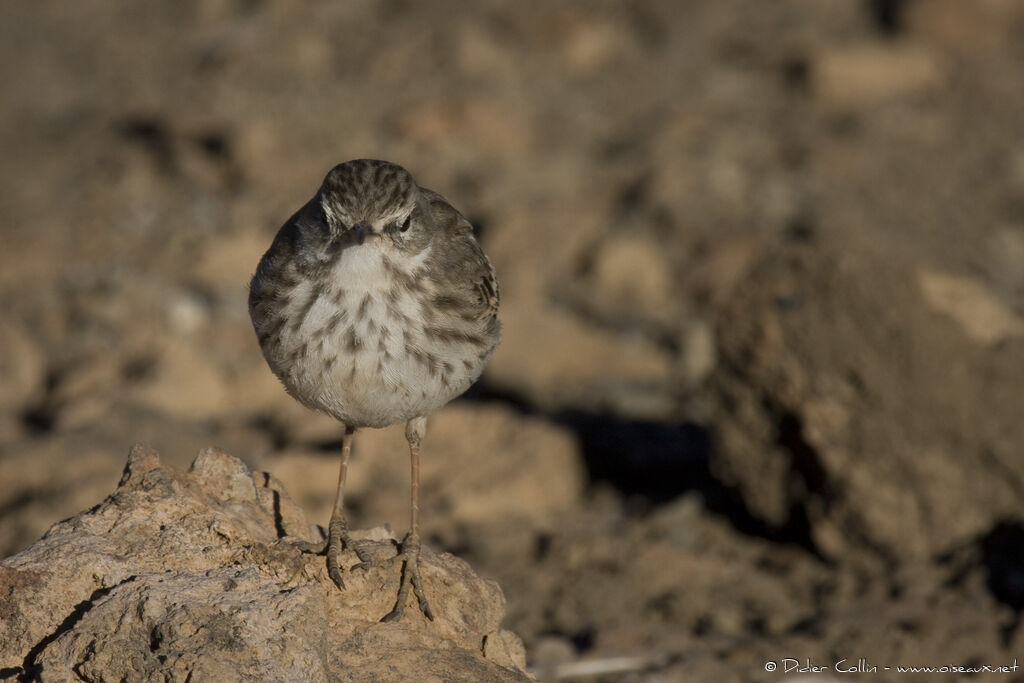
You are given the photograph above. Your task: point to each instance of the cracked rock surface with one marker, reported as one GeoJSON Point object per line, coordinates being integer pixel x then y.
{"type": "Point", "coordinates": [184, 576]}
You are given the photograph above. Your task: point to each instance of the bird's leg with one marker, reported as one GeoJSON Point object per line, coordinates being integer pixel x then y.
{"type": "Point", "coordinates": [415, 429]}
{"type": "Point", "coordinates": [337, 530]}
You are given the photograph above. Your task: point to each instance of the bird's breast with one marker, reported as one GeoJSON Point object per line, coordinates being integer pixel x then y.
{"type": "Point", "coordinates": [362, 342]}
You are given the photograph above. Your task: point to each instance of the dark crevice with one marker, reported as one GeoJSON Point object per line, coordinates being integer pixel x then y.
{"type": "Point", "coordinates": [30, 666]}
{"type": "Point", "coordinates": [139, 368]}
{"type": "Point", "coordinates": [805, 459]}
{"type": "Point", "coordinates": [276, 496]}
{"type": "Point", "coordinates": [278, 519]}
{"type": "Point", "coordinates": [808, 479]}
{"type": "Point", "coordinates": [998, 557]}
{"type": "Point", "coordinates": [273, 430]}
{"type": "Point", "coordinates": [216, 145]}
{"type": "Point", "coordinates": [1002, 556]}
{"type": "Point", "coordinates": [633, 196]}
{"type": "Point", "coordinates": [153, 135]}
{"type": "Point", "coordinates": [582, 639]}
{"type": "Point", "coordinates": [808, 482]}
{"type": "Point", "coordinates": [155, 639]}
{"type": "Point", "coordinates": [39, 419]}
{"type": "Point", "coordinates": [542, 546]}
{"type": "Point", "coordinates": [800, 230]}
{"type": "Point", "coordinates": [888, 16]}
{"type": "Point", "coordinates": [796, 74]}
{"type": "Point", "coordinates": [218, 148]}
{"type": "Point", "coordinates": [41, 416]}
{"type": "Point", "coordinates": [727, 502]}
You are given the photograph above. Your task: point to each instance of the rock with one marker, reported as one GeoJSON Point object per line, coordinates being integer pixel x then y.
{"type": "Point", "coordinates": [963, 29]}
{"type": "Point", "coordinates": [860, 75]}
{"type": "Point", "coordinates": [551, 652]}
{"type": "Point", "coordinates": [184, 383]}
{"type": "Point", "coordinates": [978, 311]}
{"type": "Point", "coordinates": [84, 391]}
{"type": "Point", "coordinates": [228, 262]}
{"type": "Point", "coordinates": [592, 45]}
{"type": "Point", "coordinates": [22, 367]}
{"type": "Point", "coordinates": [697, 353]}
{"type": "Point", "coordinates": [1005, 257]}
{"type": "Point", "coordinates": [631, 274]}
{"type": "Point", "coordinates": [525, 470]}
{"type": "Point", "coordinates": [184, 576]}
{"type": "Point", "coordinates": [559, 360]}
{"type": "Point", "coordinates": [480, 125]}
{"type": "Point", "coordinates": [850, 411]}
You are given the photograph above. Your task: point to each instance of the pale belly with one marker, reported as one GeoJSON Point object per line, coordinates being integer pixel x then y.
{"type": "Point", "coordinates": [369, 353]}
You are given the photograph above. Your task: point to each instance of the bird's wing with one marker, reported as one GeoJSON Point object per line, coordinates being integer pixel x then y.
{"type": "Point", "coordinates": [468, 269]}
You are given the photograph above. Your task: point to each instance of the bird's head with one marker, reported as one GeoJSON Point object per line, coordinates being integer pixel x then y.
{"type": "Point", "coordinates": [367, 198]}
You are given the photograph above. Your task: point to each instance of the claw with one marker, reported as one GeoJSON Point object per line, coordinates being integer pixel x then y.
{"type": "Point", "coordinates": [337, 539]}
{"type": "Point", "coordinates": [335, 573]}
{"type": "Point", "coordinates": [410, 579]}
{"type": "Point", "coordinates": [365, 561]}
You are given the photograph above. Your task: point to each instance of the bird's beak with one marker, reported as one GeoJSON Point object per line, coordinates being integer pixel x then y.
{"type": "Point", "coordinates": [361, 230]}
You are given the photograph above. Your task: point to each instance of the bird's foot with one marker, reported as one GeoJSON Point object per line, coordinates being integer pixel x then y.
{"type": "Point", "coordinates": [410, 556]}
{"type": "Point", "coordinates": [337, 539]}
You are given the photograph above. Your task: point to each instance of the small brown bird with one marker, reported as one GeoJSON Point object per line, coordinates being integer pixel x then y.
{"type": "Point", "coordinates": [375, 305]}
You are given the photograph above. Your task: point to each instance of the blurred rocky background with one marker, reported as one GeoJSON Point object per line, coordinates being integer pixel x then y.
{"type": "Point", "coordinates": [762, 266]}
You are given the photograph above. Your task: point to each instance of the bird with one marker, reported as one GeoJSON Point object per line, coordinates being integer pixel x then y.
{"type": "Point", "coordinates": [376, 305]}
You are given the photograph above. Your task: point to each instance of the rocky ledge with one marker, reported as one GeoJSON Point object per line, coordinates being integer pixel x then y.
{"type": "Point", "coordinates": [189, 576]}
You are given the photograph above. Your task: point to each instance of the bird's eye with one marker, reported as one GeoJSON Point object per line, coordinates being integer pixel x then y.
{"type": "Point", "coordinates": [405, 224]}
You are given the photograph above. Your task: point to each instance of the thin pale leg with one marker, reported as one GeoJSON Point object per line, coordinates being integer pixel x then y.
{"type": "Point", "coordinates": [415, 429]}
{"type": "Point", "coordinates": [337, 530]}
